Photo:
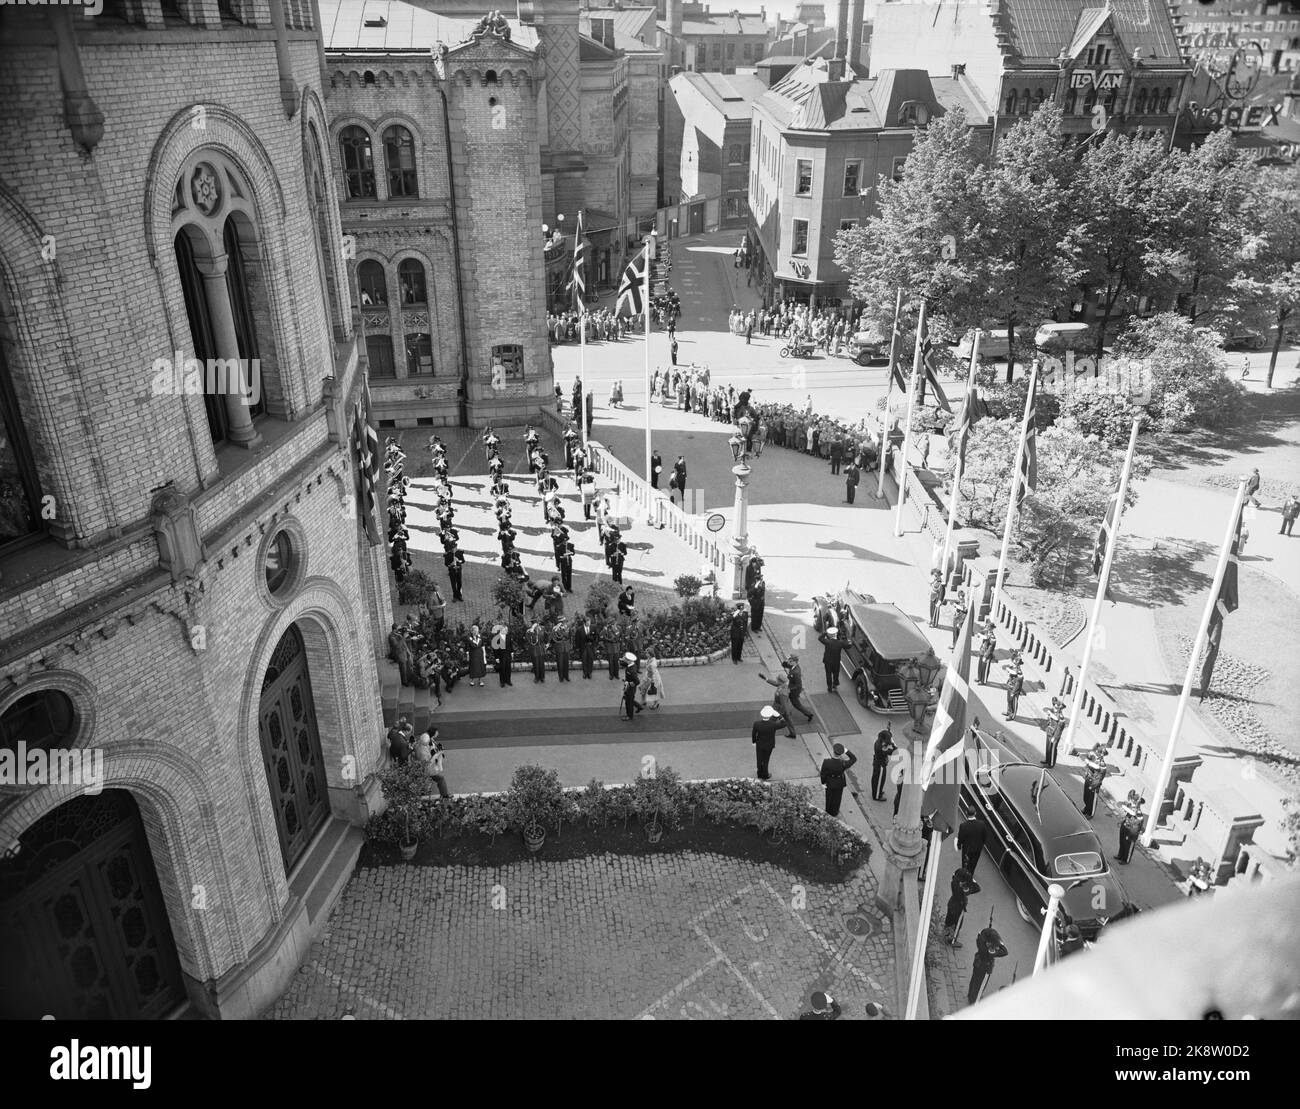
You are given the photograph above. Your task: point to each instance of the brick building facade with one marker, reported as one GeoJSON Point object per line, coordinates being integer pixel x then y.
{"type": "Point", "coordinates": [186, 587]}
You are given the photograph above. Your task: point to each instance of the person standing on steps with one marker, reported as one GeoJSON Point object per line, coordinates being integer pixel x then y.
{"type": "Point", "coordinates": [763, 737]}
{"type": "Point", "coordinates": [738, 622]}
{"type": "Point", "coordinates": [537, 649]}
{"type": "Point", "coordinates": [477, 651]}
{"type": "Point", "coordinates": [833, 772]}
{"type": "Point", "coordinates": [880, 754]}
{"type": "Point", "coordinates": [502, 651]}
{"type": "Point", "coordinates": [584, 645]}
{"type": "Point", "coordinates": [757, 601]}
{"type": "Point", "coordinates": [560, 645]}
{"type": "Point", "coordinates": [832, 648]}
{"type": "Point", "coordinates": [399, 650]}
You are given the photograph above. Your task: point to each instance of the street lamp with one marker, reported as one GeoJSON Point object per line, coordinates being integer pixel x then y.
{"type": "Point", "coordinates": [740, 537]}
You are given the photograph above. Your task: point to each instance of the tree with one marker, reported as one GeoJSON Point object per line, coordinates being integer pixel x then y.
{"type": "Point", "coordinates": [1021, 252]}
{"type": "Point", "coordinates": [1076, 476]}
{"type": "Point", "coordinates": [1291, 829]}
{"type": "Point", "coordinates": [1270, 277]}
{"type": "Point", "coordinates": [1185, 370]}
{"type": "Point", "coordinates": [1123, 195]}
{"type": "Point", "coordinates": [918, 239]}
{"type": "Point", "coordinates": [1095, 410]}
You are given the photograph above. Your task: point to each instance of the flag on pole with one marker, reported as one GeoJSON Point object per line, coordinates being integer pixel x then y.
{"type": "Point", "coordinates": [1104, 533]}
{"type": "Point", "coordinates": [971, 412]}
{"type": "Point", "coordinates": [931, 371]}
{"type": "Point", "coordinates": [578, 282]}
{"type": "Point", "coordinates": [895, 348]}
{"type": "Point", "coordinates": [943, 766]}
{"type": "Point", "coordinates": [631, 287]}
{"type": "Point", "coordinates": [366, 444]}
{"type": "Point", "coordinates": [1226, 603]}
{"type": "Point", "coordinates": [1027, 480]}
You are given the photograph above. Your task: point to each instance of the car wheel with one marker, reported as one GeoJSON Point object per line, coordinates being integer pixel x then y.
{"type": "Point", "coordinates": [1023, 910]}
{"type": "Point", "coordinates": [785, 352]}
{"type": "Point", "coordinates": [862, 358]}
{"type": "Point", "coordinates": [864, 694]}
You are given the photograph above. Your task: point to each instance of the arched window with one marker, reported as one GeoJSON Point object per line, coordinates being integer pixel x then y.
{"type": "Point", "coordinates": [40, 720]}
{"type": "Point", "coordinates": [419, 354]}
{"type": "Point", "coordinates": [410, 278]}
{"type": "Point", "coordinates": [490, 77]}
{"type": "Point", "coordinates": [1089, 102]}
{"type": "Point", "coordinates": [358, 163]}
{"type": "Point", "coordinates": [379, 353]}
{"type": "Point", "coordinates": [1039, 97]}
{"type": "Point", "coordinates": [1011, 102]}
{"type": "Point", "coordinates": [1165, 98]}
{"type": "Point", "coordinates": [373, 283]}
{"type": "Point", "coordinates": [1140, 102]}
{"type": "Point", "coordinates": [20, 494]}
{"type": "Point", "coordinates": [399, 156]}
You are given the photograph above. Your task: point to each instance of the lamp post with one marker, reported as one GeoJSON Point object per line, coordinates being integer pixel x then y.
{"type": "Point", "coordinates": [740, 536]}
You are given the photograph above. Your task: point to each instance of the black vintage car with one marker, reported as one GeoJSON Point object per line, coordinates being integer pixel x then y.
{"type": "Point", "coordinates": [1038, 837]}
{"type": "Point", "coordinates": [881, 638]}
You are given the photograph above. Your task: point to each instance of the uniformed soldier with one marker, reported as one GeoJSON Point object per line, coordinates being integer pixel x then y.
{"type": "Point", "coordinates": [560, 645]}
{"type": "Point", "coordinates": [738, 622]}
{"type": "Point", "coordinates": [832, 776]}
{"type": "Point", "coordinates": [880, 754]}
{"type": "Point", "coordinates": [988, 648]}
{"type": "Point", "coordinates": [962, 886]}
{"type": "Point", "coordinates": [1015, 686]}
{"type": "Point", "coordinates": [584, 645]}
{"type": "Point", "coordinates": [455, 560]}
{"type": "Point", "coordinates": [958, 616]}
{"type": "Point", "coordinates": [631, 680]}
{"type": "Point", "coordinates": [1054, 727]}
{"type": "Point", "coordinates": [1130, 827]}
{"type": "Point", "coordinates": [1095, 769]}
{"type": "Point", "coordinates": [609, 637]}
{"type": "Point", "coordinates": [988, 947]}
{"type": "Point", "coordinates": [763, 736]}
{"type": "Point", "coordinates": [564, 560]}
{"type": "Point", "coordinates": [537, 639]}
{"type": "Point", "coordinates": [616, 560]}
{"type": "Point", "coordinates": [832, 647]}
{"type": "Point", "coordinates": [936, 597]}
{"type": "Point", "coordinates": [570, 439]}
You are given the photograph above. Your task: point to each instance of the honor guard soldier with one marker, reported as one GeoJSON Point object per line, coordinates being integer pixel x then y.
{"type": "Point", "coordinates": [1095, 769]}
{"type": "Point", "coordinates": [1130, 827]}
{"type": "Point", "coordinates": [584, 645]}
{"type": "Point", "coordinates": [988, 947]}
{"type": "Point", "coordinates": [962, 886]}
{"type": "Point", "coordinates": [1015, 686]}
{"type": "Point", "coordinates": [455, 560]}
{"type": "Point", "coordinates": [560, 644]}
{"type": "Point", "coordinates": [1054, 728]}
{"type": "Point", "coordinates": [763, 736]}
{"type": "Point", "coordinates": [936, 597]}
{"type": "Point", "coordinates": [565, 562]}
{"type": "Point", "coordinates": [537, 640]}
{"type": "Point", "coordinates": [958, 616]}
{"type": "Point", "coordinates": [738, 622]}
{"type": "Point", "coordinates": [880, 754]}
{"type": "Point", "coordinates": [988, 648]}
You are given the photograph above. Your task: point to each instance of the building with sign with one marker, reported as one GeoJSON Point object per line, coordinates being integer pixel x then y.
{"type": "Point", "coordinates": [1115, 66]}
{"type": "Point", "coordinates": [191, 604]}
{"type": "Point", "coordinates": [818, 144]}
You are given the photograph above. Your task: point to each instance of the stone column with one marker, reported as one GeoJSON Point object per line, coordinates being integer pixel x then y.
{"type": "Point", "coordinates": [242, 433]}
{"type": "Point", "coordinates": [740, 538]}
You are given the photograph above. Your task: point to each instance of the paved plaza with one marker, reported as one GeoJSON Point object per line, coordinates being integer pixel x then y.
{"type": "Point", "coordinates": [666, 937]}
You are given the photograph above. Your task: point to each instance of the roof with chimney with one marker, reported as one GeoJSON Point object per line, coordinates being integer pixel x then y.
{"type": "Point", "coordinates": [810, 99]}
{"type": "Point", "coordinates": [1039, 30]}
{"type": "Point", "coordinates": [389, 25]}
{"type": "Point", "coordinates": [630, 21]}
{"type": "Point", "coordinates": [721, 23]}
{"type": "Point", "coordinates": [628, 44]}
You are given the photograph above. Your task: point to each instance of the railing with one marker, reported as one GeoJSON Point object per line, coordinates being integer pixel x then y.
{"type": "Point", "coordinates": [930, 517]}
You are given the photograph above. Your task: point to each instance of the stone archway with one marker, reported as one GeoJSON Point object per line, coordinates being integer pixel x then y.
{"type": "Point", "coordinates": [84, 931]}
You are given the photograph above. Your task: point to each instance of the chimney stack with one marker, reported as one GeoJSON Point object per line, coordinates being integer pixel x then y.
{"type": "Point", "coordinates": [842, 29]}
{"type": "Point", "coordinates": [856, 17]}
{"type": "Point", "coordinates": [674, 10]}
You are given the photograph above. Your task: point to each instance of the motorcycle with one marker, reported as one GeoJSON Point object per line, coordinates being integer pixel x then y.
{"type": "Point", "coordinates": [799, 348]}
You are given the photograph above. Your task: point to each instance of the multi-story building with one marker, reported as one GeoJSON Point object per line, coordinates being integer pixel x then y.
{"type": "Point", "coordinates": [819, 143]}
{"type": "Point", "coordinates": [695, 38]}
{"type": "Point", "coordinates": [191, 604]}
{"type": "Point", "coordinates": [435, 125]}
{"type": "Point", "coordinates": [707, 119]}
{"type": "Point", "coordinates": [1113, 66]}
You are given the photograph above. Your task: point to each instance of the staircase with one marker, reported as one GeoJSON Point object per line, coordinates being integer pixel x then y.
{"type": "Point", "coordinates": [399, 700]}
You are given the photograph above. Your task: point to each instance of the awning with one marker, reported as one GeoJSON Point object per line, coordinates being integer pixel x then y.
{"type": "Point", "coordinates": [797, 280]}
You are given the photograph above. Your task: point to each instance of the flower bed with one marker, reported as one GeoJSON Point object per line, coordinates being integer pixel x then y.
{"type": "Point", "coordinates": [781, 814]}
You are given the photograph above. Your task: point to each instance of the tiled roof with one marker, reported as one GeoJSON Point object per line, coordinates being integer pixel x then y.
{"type": "Point", "coordinates": [1040, 29]}
{"type": "Point", "coordinates": [403, 27]}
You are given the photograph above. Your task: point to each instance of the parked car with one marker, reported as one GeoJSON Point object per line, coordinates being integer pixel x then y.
{"type": "Point", "coordinates": [1037, 838]}
{"type": "Point", "coordinates": [881, 638]}
{"type": "Point", "coordinates": [993, 344]}
{"type": "Point", "coordinates": [1057, 338]}
{"type": "Point", "coordinates": [1243, 338]}
{"type": "Point", "coordinates": [866, 347]}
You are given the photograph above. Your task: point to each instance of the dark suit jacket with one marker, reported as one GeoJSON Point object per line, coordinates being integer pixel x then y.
{"type": "Point", "coordinates": [971, 834]}
{"type": "Point", "coordinates": [833, 648]}
{"type": "Point", "coordinates": [833, 769]}
{"type": "Point", "coordinates": [764, 733]}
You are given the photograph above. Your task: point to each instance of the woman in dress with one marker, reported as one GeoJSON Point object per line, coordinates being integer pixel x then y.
{"type": "Point", "coordinates": [651, 692]}
{"type": "Point", "coordinates": [477, 651]}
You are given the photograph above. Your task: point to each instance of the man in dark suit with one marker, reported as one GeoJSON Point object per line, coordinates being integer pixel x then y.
{"type": "Point", "coordinates": [679, 468]}
{"type": "Point", "coordinates": [399, 741]}
{"type": "Point", "coordinates": [738, 622]}
{"type": "Point", "coordinates": [763, 736]}
{"type": "Point", "coordinates": [880, 755]}
{"type": "Point", "coordinates": [502, 653]}
{"type": "Point", "coordinates": [584, 645]}
{"type": "Point", "coordinates": [837, 453]}
{"type": "Point", "coordinates": [616, 565]}
{"type": "Point", "coordinates": [399, 650]}
{"type": "Point", "coordinates": [656, 467]}
{"type": "Point", "coordinates": [564, 559]}
{"type": "Point", "coordinates": [757, 601]}
{"type": "Point", "coordinates": [833, 776]}
{"type": "Point", "coordinates": [832, 648]}
{"type": "Point", "coordinates": [963, 885]}
{"type": "Point", "coordinates": [970, 841]}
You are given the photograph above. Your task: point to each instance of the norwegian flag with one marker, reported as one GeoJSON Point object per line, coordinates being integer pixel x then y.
{"type": "Point", "coordinates": [931, 372]}
{"type": "Point", "coordinates": [1027, 480]}
{"type": "Point", "coordinates": [631, 289]}
{"type": "Point", "coordinates": [1104, 533]}
{"type": "Point", "coordinates": [971, 412]}
{"type": "Point", "coordinates": [578, 282]}
{"type": "Point", "coordinates": [1227, 602]}
{"type": "Point", "coordinates": [366, 444]}
{"type": "Point", "coordinates": [944, 763]}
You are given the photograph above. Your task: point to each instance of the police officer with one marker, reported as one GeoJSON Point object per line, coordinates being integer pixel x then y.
{"type": "Point", "coordinates": [1130, 827]}
{"type": "Point", "coordinates": [988, 648]}
{"type": "Point", "coordinates": [738, 622]}
{"type": "Point", "coordinates": [988, 947]}
{"type": "Point", "coordinates": [970, 841]}
{"type": "Point", "coordinates": [833, 772]}
{"type": "Point", "coordinates": [962, 886]}
{"type": "Point", "coordinates": [880, 754]}
{"type": "Point", "coordinates": [1095, 769]}
{"type": "Point", "coordinates": [1054, 726]}
{"type": "Point", "coordinates": [832, 647]}
{"type": "Point", "coordinates": [763, 737]}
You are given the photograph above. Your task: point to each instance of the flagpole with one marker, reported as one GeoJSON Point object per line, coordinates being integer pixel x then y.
{"type": "Point", "coordinates": [907, 433]}
{"type": "Point", "coordinates": [649, 255]}
{"type": "Point", "coordinates": [1012, 506]}
{"type": "Point", "coordinates": [889, 387]}
{"type": "Point", "coordinates": [955, 498]}
{"type": "Point", "coordinates": [923, 935]}
{"type": "Point", "coordinates": [1093, 624]}
{"type": "Point", "coordinates": [582, 366]}
{"type": "Point", "coordinates": [1157, 801]}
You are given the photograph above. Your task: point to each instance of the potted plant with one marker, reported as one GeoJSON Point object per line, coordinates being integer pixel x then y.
{"type": "Point", "coordinates": [534, 800]}
{"type": "Point", "coordinates": [405, 788]}
{"type": "Point", "coordinates": [655, 800]}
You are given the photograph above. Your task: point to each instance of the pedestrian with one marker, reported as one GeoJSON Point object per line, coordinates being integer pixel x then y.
{"type": "Point", "coordinates": [988, 947]}
{"type": "Point", "coordinates": [836, 453]}
{"type": "Point", "coordinates": [851, 473]}
{"type": "Point", "coordinates": [502, 652]}
{"type": "Point", "coordinates": [795, 673]}
{"type": "Point", "coordinates": [399, 741]}
{"type": "Point", "coordinates": [961, 887]}
{"type": "Point", "coordinates": [880, 756]}
{"type": "Point", "coordinates": [1252, 487]}
{"type": "Point", "coordinates": [537, 640]}
{"type": "Point", "coordinates": [988, 648]}
{"type": "Point", "coordinates": [824, 1007]}
{"type": "Point", "coordinates": [1130, 827]}
{"type": "Point", "coordinates": [832, 647]}
{"type": "Point", "coordinates": [936, 597]}
{"type": "Point", "coordinates": [1015, 686]}
{"type": "Point", "coordinates": [763, 737]}
{"type": "Point", "coordinates": [672, 344]}
{"type": "Point", "coordinates": [738, 622]}
{"type": "Point", "coordinates": [1290, 510]}
{"type": "Point", "coordinates": [958, 616]}
{"type": "Point", "coordinates": [781, 699]}
{"type": "Point", "coordinates": [971, 835]}
{"type": "Point", "coordinates": [560, 645]}
{"type": "Point", "coordinates": [477, 651]}
{"type": "Point", "coordinates": [749, 329]}
{"type": "Point", "coordinates": [656, 468]}
{"type": "Point", "coordinates": [1243, 533]}
{"type": "Point", "coordinates": [833, 772]}
{"type": "Point", "coordinates": [584, 645]}
{"type": "Point", "coordinates": [757, 601]}
{"type": "Point", "coordinates": [679, 469]}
